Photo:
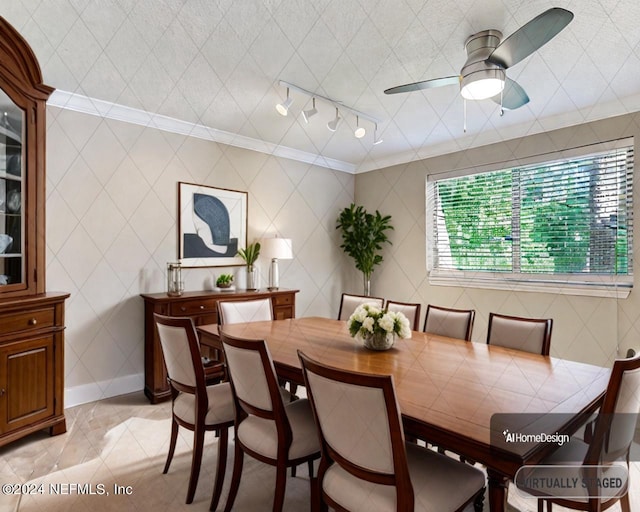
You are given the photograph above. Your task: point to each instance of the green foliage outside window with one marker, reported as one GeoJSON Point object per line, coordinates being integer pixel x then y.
{"type": "Point", "coordinates": [569, 217]}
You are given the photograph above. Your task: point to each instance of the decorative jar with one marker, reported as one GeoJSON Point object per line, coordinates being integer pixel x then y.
{"type": "Point", "coordinates": [379, 340]}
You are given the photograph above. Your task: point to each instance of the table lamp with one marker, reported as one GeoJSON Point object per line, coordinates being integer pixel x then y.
{"type": "Point", "coordinates": [276, 249]}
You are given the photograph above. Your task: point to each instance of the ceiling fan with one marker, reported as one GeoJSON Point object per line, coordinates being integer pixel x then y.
{"type": "Point", "coordinates": [483, 75]}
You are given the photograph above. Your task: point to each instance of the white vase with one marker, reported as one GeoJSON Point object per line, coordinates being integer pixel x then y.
{"type": "Point", "coordinates": [252, 278]}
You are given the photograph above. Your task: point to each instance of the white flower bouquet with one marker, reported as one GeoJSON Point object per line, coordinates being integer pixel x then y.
{"type": "Point", "coordinates": [377, 326]}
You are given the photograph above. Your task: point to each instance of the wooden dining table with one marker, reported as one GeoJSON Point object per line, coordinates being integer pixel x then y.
{"type": "Point", "coordinates": [448, 390]}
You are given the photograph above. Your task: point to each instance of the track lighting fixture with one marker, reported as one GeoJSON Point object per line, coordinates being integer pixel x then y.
{"type": "Point", "coordinates": [283, 108]}
{"type": "Point", "coordinates": [332, 125]}
{"type": "Point", "coordinates": [359, 131]}
{"type": "Point", "coordinates": [306, 114]}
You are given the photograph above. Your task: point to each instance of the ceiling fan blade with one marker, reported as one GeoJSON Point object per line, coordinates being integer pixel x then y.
{"type": "Point", "coordinates": [427, 84]}
{"type": "Point", "coordinates": [530, 37]}
{"type": "Point", "coordinates": [513, 95]}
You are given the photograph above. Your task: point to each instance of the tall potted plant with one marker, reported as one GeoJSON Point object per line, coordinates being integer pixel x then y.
{"type": "Point", "coordinates": [250, 255]}
{"type": "Point", "coordinates": [363, 235]}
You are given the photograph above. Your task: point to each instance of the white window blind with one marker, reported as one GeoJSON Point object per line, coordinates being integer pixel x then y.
{"type": "Point", "coordinates": [568, 219]}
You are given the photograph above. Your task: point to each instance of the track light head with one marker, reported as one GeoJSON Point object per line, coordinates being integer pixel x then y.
{"type": "Point", "coordinates": [283, 108]}
{"type": "Point", "coordinates": [376, 140]}
{"type": "Point", "coordinates": [306, 114]}
{"type": "Point", "coordinates": [333, 125]}
{"type": "Point", "coordinates": [359, 132]}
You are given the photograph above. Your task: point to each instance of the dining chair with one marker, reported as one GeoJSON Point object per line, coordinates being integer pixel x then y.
{"type": "Point", "coordinates": [453, 323]}
{"type": "Point", "coordinates": [606, 446]}
{"type": "Point", "coordinates": [195, 406]}
{"type": "Point", "coordinates": [349, 303]}
{"type": "Point", "coordinates": [251, 310]}
{"type": "Point", "coordinates": [410, 309]}
{"type": "Point", "coordinates": [526, 334]}
{"type": "Point", "coordinates": [266, 428]}
{"type": "Point", "coordinates": [368, 466]}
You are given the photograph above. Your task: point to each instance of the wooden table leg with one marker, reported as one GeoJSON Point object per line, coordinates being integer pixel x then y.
{"type": "Point", "coordinates": [498, 487]}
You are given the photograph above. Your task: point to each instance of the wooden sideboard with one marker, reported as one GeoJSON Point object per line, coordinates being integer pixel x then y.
{"type": "Point", "coordinates": [202, 307]}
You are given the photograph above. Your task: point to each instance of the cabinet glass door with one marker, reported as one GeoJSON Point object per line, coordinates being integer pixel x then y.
{"type": "Point", "coordinates": [12, 187]}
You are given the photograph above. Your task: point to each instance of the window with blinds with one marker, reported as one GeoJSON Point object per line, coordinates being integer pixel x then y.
{"type": "Point", "coordinates": [571, 217]}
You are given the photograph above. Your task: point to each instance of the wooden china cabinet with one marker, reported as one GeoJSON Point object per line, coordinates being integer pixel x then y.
{"type": "Point", "coordinates": [31, 320]}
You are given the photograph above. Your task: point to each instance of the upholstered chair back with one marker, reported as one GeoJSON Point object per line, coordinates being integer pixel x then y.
{"type": "Point", "coordinates": [249, 375]}
{"type": "Point", "coordinates": [526, 334]}
{"type": "Point", "coordinates": [349, 303]}
{"type": "Point", "coordinates": [410, 310]}
{"type": "Point", "coordinates": [619, 413]}
{"type": "Point", "coordinates": [178, 355]}
{"type": "Point", "coordinates": [366, 442]}
{"type": "Point", "coordinates": [237, 311]}
{"type": "Point", "coordinates": [453, 323]}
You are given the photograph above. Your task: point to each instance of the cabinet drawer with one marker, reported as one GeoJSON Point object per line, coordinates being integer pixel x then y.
{"type": "Point", "coordinates": [35, 319]}
{"type": "Point", "coordinates": [192, 307]}
{"type": "Point", "coordinates": [282, 300]}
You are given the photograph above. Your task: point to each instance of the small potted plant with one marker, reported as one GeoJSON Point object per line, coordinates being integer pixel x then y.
{"type": "Point", "coordinates": [224, 281]}
{"type": "Point", "coordinates": [250, 255]}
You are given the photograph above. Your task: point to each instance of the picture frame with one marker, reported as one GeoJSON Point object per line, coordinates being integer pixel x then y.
{"type": "Point", "coordinates": [212, 225]}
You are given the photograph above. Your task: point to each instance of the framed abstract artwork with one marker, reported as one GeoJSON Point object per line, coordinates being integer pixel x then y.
{"type": "Point", "coordinates": [212, 225]}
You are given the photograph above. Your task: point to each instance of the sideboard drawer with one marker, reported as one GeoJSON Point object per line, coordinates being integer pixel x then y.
{"type": "Point", "coordinates": [35, 319]}
{"type": "Point", "coordinates": [283, 300]}
{"type": "Point", "coordinates": [192, 307]}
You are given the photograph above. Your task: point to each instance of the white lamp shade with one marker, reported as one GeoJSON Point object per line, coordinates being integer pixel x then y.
{"type": "Point", "coordinates": [280, 248]}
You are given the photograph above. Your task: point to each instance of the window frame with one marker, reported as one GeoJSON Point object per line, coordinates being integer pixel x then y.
{"type": "Point", "coordinates": [598, 285]}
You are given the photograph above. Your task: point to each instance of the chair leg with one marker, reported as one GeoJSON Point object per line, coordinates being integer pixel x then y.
{"type": "Point", "coordinates": [235, 478]}
{"type": "Point", "coordinates": [310, 466]}
{"type": "Point", "coordinates": [625, 505]}
{"type": "Point", "coordinates": [221, 467]}
{"type": "Point", "coordinates": [323, 504]}
{"type": "Point", "coordinates": [281, 482]}
{"type": "Point", "coordinates": [540, 505]}
{"type": "Point", "coordinates": [478, 502]}
{"type": "Point", "coordinates": [196, 461]}
{"type": "Point", "coordinates": [172, 444]}
{"type": "Point", "coordinates": [316, 503]}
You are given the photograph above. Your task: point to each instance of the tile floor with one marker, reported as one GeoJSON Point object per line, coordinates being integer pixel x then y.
{"type": "Point", "coordinates": [123, 441]}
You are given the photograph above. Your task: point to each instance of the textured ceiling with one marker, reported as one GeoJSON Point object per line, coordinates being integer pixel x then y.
{"type": "Point", "coordinates": [218, 63]}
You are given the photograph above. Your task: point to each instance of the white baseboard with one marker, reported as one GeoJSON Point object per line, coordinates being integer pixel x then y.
{"type": "Point", "coordinates": [85, 393]}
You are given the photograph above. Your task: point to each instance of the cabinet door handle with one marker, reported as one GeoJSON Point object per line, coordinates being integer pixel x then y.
{"type": "Point", "coordinates": [33, 321]}
{"type": "Point", "coordinates": [201, 307]}
{"type": "Point", "coordinates": [182, 308]}
{"type": "Point", "coordinates": [2, 392]}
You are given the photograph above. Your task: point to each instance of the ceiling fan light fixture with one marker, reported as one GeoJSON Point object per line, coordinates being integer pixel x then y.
{"type": "Point", "coordinates": [283, 108]}
{"type": "Point", "coordinates": [333, 125]}
{"type": "Point", "coordinates": [483, 84]}
{"type": "Point", "coordinates": [306, 114]}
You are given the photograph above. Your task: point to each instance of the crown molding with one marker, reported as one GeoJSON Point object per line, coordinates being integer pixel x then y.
{"type": "Point", "coordinates": [95, 107]}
